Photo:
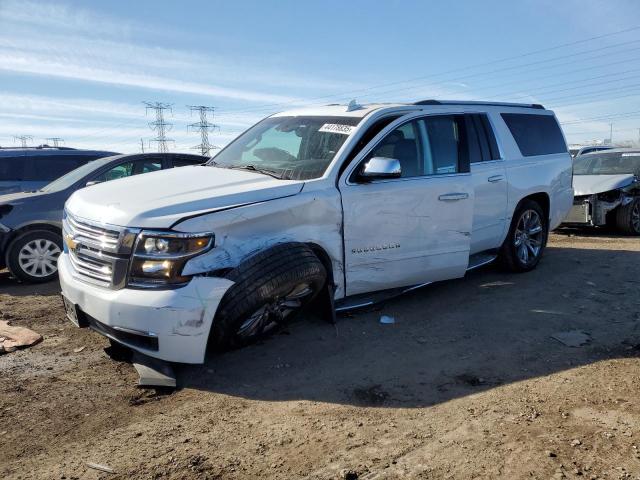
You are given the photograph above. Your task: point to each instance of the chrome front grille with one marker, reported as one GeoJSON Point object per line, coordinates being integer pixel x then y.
{"type": "Point", "coordinates": [95, 268]}
{"type": "Point", "coordinates": [99, 254]}
{"type": "Point", "coordinates": [95, 236]}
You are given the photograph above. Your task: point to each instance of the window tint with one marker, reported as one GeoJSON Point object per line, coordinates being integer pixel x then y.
{"type": "Point", "coordinates": [367, 136]}
{"type": "Point", "coordinates": [40, 168]}
{"type": "Point", "coordinates": [490, 136]}
{"type": "Point", "coordinates": [477, 153]}
{"type": "Point", "coordinates": [535, 134]}
{"type": "Point", "coordinates": [432, 145]}
{"type": "Point", "coordinates": [128, 169]}
{"type": "Point", "coordinates": [120, 171]}
{"type": "Point", "coordinates": [149, 166]}
{"type": "Point", "coordinates": [51, 167]}
{"type": "Point", "coordinates": [11, 168]}
{"type": "Point", "coordinates": [479, 131]}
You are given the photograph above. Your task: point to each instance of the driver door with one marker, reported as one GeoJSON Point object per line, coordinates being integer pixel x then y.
{"type": "Point", "coordinates": [413, 229]}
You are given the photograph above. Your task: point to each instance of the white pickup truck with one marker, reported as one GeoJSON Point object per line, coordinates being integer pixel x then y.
{"type": "Point", "coordinates": [341, 204]}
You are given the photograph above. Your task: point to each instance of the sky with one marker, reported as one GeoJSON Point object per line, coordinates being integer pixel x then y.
{"type": "Point", "coordinates": [82, 70]}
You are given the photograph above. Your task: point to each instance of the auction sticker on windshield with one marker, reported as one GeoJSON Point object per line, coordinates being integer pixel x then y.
{"type": "Point", "coordinates": [336, 128]}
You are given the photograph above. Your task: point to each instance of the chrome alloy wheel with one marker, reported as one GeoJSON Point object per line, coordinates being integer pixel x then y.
{"type": "Point", "coordinates": [271, 314]}
{"type": "Point", "coordinates": [38, 258]}
{"type": "Point", "coordinates": [529, 236]}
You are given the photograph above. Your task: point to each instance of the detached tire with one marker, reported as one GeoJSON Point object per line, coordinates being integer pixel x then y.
{"type": "Point", "coordinates": [628, 217]}
{"type": "Point", "coordinates": [33, 256]}
{"type": "Point", "coordinates": [527, 238]}
{"type": "Point", "coordinates": [270, 289]}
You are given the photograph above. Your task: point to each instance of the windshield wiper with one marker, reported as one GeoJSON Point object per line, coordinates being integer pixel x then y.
{"type": "Point", "coordinates": [253, 168]}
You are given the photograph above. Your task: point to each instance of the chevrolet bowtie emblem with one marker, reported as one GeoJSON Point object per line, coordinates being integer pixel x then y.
{"type": "Point", "coordinates": [70, 241]}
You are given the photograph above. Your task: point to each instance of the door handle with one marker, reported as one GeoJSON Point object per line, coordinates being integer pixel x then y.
{"type": "Point", "coordinates": [495, 178]}
{"type": "Point", "coordinates": [450, 197]}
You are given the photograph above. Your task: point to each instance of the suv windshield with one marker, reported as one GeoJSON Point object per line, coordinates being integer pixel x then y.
{"type": "Point", "coordinates": [610, 163]}
{"type": "Point", "coordinates": [291, 148]}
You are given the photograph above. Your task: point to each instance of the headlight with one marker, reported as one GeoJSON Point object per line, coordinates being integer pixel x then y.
{"type": "Point", "coordinates": [159, 257]}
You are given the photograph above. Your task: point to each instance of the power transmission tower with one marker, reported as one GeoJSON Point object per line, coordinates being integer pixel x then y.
{"type": "Point", "coordinates": [204, 126]}
{"type": "Point", "coordinates": [160, 126]}
{"type": "Point", "coordinates": [56, 141]}
{"type": "Point", "coordinates": [23, 139]}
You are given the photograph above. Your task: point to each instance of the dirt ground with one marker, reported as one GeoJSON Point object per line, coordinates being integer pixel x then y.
{"type": "Point", "coordinates": [467, 383]}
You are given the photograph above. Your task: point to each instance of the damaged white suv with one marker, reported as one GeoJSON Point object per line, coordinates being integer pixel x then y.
{"type": "Point", "coordinates": [345, 204]}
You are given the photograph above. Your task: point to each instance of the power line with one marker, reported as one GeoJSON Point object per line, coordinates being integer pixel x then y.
{"type": "Point", "coordinates": [160, 126]}
{"type": "Point", "coordinates": [23, 139]}
{"type": "Point", "coordinates": [204, 126]}
{"type": "Point", "coordinates": [469, 67]}
{"type": "Point", "coordinates": [56, 141]}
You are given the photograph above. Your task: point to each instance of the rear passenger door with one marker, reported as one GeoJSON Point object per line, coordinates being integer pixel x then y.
{"type": "Point", "coordinates": [414, 229]}
{"type": "Point", "coordinates": [488, 174]}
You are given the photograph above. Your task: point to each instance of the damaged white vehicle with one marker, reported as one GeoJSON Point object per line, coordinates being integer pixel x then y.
{"type": "Point", "coordinates": [342, 204]}
{"type": "Point", "coordinates": [607, 190]}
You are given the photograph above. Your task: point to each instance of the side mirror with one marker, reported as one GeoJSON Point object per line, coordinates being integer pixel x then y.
{"type": "Point", "coordinates": [92, 182]}
{"type": "Point", "coordinates": [381, 167]}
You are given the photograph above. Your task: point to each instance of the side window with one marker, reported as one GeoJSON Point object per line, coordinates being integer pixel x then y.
{"type": "Point", "coordinates": [446, 151]}
{"type": "Point", "coordinates": [130, 168]}
{"type": "Point", "coordinates": [119, 171]}
{"type": "Point", "coordinates": [433, 145]}
{"type": "Point", "coordinates": [366, 137]}
{"type": "Point", "coordinates": [147, 166]}
{"type": "Point", "coordinates": [186, 161]}
{"type": "Point", "coordinates": [403, 144]}
{"type": "Point", "coordinates": [481, 139]}
{"type": "Point", "coordinates": [535, 134]}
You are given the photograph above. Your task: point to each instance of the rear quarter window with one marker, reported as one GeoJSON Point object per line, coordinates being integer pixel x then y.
{"type": "Point", "coordinates": [535, 134]}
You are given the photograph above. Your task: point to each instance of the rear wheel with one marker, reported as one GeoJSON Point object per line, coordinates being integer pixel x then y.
{"type": "Point", "coordinates": [269, 290]}
{"type": "Point", "coordinates": [33, 256]}
{"type": "Point", "coordinates": [526, 239]}
{"type": "Point", "coordinates": [628, 217]}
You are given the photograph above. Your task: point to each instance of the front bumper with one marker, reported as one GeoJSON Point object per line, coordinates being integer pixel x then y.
{"type": "Point", "coordinates": [171, 325]}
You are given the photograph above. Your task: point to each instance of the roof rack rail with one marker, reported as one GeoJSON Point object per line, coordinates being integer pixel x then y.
{"type": "Point", "coordinates": [470, 102]}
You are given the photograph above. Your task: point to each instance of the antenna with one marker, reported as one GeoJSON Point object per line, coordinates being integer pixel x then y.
{"type": "Point", "coordinates": [23, 139]}
{"type": "Point", "coordinates": [204, 126]}
{"type": "Point", "coordinates": [56, 141]}
{"type": "Point", "coordinates": [160, 126]}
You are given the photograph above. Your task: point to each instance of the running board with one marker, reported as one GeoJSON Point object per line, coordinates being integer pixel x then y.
{"type": "Point", "coordinates": [478, 260]}
{"type": "Point", "coordinates": [368, 299]}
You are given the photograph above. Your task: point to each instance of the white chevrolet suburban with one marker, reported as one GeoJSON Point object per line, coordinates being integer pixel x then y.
{"type": "Point", "coordinates": [344, 204]}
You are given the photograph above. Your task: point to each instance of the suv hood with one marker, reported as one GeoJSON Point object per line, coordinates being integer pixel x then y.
{"type": "Point", "coordinates": [159, 199]}
{"type": "Point", "coordinates": [591, 184]}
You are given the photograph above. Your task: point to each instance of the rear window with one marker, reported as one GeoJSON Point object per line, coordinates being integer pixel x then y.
{"type": "Point", "coordinates": [535, 134]}
{"type": "Point", "coordinates": [42, 168]}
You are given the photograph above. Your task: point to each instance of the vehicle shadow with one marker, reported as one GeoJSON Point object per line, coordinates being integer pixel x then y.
{"type": "Point", "coordinates": [11, 286]}
{"type": "Point", "coordinates": [595, 232]}
{"type": "Point", "coordinates": [449, 339]}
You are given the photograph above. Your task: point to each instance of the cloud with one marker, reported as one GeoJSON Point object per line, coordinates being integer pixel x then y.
{"type": "Point", "coordinates": [76, 44]}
